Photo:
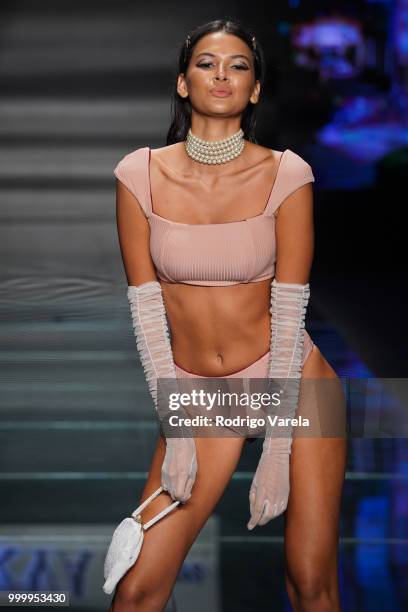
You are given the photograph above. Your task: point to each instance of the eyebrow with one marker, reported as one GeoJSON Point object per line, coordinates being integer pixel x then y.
{"type": "Point", "coordinates": [213, 55]}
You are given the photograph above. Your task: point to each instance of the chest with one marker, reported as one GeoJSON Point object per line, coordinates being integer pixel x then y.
{"type": "Point", "coordinates": [223, 253]}
{"type": "Point", "coordinates": [219, 201]}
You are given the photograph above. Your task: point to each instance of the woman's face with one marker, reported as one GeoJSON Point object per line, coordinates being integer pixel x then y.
{"type": "Point", "coordinates": [220, 78]}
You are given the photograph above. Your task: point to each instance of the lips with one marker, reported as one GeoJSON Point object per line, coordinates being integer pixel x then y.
{"type": "Point", "coordinates": [222, 93]}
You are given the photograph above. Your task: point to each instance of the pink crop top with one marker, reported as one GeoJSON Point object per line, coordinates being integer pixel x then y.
{"type": "Point", "coordinates": [217, 253]}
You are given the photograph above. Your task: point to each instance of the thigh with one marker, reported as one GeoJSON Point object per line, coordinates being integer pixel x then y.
{"type": "Point", "coordinates": [168, 541]}
{"type": "Point", "coordinates": [317, 470]}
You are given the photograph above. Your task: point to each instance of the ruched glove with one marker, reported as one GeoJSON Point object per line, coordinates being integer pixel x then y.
{"type": "Point", "coordinates": [269, 491]}
{"type": "Point", "coordinates": [150, 328]}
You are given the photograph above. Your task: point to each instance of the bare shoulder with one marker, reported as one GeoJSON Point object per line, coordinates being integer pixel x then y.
{"type": "Point", "coordinates": [168, 154]}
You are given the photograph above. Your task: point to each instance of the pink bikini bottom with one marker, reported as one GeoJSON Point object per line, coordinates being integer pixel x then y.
{"type": "Point", "coordinates": [257, 369]}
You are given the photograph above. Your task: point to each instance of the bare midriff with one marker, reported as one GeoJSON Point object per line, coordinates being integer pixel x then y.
{"type": "Point", "coordinates": [218, 330]}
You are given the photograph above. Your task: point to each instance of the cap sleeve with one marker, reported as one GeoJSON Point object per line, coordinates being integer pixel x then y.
{"type": "Point", "coordinates": [132, 170]}
{"type": "Point", "coordinates": [294, 172]}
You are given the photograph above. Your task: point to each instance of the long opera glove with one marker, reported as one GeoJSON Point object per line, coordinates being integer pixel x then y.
{"type": "Point", "coordinates": [150, 328]}
{"type": "Point", "coordinates": [269, 491]}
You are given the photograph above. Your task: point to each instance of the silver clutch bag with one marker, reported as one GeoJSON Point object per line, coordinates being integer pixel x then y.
{"type": "Point", "coordinates": [127, 540]}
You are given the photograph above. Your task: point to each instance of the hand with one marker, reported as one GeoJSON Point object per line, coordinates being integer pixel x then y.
{"type": "Point", "coordinates": [179, 468]}
{"type": "Point", "coordinates": [270, 487]}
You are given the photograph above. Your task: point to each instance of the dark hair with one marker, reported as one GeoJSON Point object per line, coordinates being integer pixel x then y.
{"type": "Point", "coordinates": [181, 107]}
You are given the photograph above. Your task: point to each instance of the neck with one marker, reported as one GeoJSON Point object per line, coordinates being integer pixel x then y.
{"type": "Point", "coordinates": [215, 152]}
{"type": "Point", "coordinates": [214, 131]}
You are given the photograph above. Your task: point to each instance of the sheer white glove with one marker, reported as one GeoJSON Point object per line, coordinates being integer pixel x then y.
{"type": "Point", "coordinates": [150, 328]}
{"type": "Point", "coordinates": [179, 468]}
{"type": "Point", "coordinates": [270, 487]}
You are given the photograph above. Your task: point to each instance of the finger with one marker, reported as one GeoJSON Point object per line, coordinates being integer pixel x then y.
{"type": "Point", "coordinates": [256, 513]}
{"type": "Point", "coordinates": [266, 514]}
{"type": "Point", "coordinates": [164, 481]}
{"type": "Point", "coordinates": [190, 485]}
{"type": "Point", "coordinates": [185, 489]}
{"type": "Point", "coordinates": [252, 507]}
{"type": "Point", "coordinates": [256, 506]}
{"type": "Point", "coordinates": [169, 486]}
{"type": "Point", "coordinates": [252, 497]}
{"type": "Point", "coordinates": [184, 486]}
{"type": "Point", "coordinates": [185, 498]}
{"type": "Point", "coordinates": [186, 494]}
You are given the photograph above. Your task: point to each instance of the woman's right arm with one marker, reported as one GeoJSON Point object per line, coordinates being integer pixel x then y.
{"type": "Point", "coordinates": [134, 237]}
{"type": "Point", "coordinates": [149, 321]}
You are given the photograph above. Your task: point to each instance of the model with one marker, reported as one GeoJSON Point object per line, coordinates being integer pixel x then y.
{"type": "Point", "coordinates": [216, 235]}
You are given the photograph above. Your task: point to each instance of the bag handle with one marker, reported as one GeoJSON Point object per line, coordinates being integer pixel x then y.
{"type": "Point", "coordinates": [136, 516]}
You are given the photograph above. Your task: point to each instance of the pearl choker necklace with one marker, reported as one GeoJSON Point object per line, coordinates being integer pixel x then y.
{"type": "Point", "coordinates": [214, 151]}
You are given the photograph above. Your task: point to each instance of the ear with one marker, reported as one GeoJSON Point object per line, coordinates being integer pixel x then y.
{"type": "Point", "coordinates": [182, 86]}
{"type": "Point", "coordinates": [255, 93]}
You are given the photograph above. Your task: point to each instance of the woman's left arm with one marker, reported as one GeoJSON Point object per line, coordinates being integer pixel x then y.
{"type": "Point", "coordinates": [295, 237]}
{"type": "Point", "coordinates": [289, 298]}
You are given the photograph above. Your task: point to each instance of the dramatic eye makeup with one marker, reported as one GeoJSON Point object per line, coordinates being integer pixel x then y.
{"type": "Point", "coordinates": [204, 63]}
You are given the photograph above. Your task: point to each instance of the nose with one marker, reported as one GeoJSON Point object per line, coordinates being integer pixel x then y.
{"type": "Point", "coordinates": [220, 74]}
{"type": "Point", "coordinates": [221, 78]}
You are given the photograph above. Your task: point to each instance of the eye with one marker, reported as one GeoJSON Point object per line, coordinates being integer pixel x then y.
{"type": "Point", "coordinates": [239, 66]}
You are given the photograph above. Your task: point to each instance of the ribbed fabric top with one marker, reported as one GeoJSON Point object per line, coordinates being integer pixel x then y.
{"type": "Point", "coordinates": [214, 253]}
